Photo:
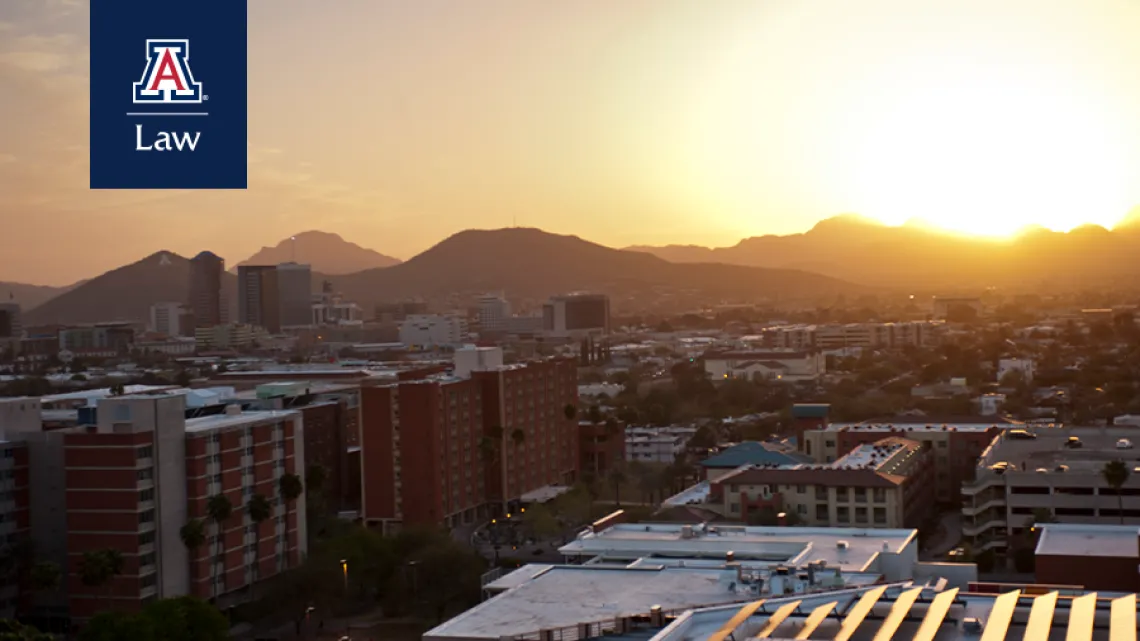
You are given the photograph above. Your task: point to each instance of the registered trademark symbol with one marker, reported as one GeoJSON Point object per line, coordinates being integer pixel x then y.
{"type": "Point", "coordinates": [205, 97]}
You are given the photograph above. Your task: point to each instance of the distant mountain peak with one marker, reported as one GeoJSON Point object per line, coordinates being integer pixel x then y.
{"type": "Point", "coordinates": [326, 252]}
{"type": "Point", "coordinates": [843, 222]}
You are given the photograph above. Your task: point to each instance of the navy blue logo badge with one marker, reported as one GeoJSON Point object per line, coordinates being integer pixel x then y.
{"type": "Point", "coordinates": [168, 113]}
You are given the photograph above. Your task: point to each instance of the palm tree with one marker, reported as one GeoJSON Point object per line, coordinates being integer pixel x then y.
{"type": "Point", "coordinates": [570, 411]}
{"type": "Point", "coordinates": [259, 509]}
{"type": "Point", "coordinates": [617, 477]}
{"type": "Point", "coordinates": [193, 535]}
{"type": "Point", "coordinates": [1116, 474]}
{"type": "Point", "coordinates": [220, 509]}
{"type": "Point", "coordinates": [291, 488]}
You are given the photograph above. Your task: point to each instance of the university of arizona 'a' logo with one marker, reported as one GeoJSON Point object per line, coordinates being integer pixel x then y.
{"type": "Point", "coordinates": [167, 78]}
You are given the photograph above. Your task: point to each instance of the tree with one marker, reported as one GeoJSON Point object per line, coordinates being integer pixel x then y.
{"type": "Point", "coordinates": [291, 488]}
{"type": "Point", "coordinates": [97, 568]}
{"type": "Point", "coordinates": [518, 436]}
{"type": "Point", "coordinates": [570, 411]}
{"type": "Point", "coordinates": [178, 619]}
{"type": "Point", "coordinates": [1116, 474]}
{"type": "Point", "coordinates": [16, 631]}
{"type": "Point", "coordinates": [259, 509]}
{"type": "Point", "coordinates": [541, 521]}
{"type": "Point", "coordinates": [45, 576]}
{"type": "Point", "coordinates": [219, 508]}
{"type": "Point", "coordinates": [617, 477]}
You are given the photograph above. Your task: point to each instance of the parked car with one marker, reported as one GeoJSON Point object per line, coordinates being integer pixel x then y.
{"type": "Point", "coordinates": [1020, 435]}
{"type": "Point", "coordinates": [1124, 444]}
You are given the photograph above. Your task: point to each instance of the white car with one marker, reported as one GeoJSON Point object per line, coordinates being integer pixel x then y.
{"type": "Point", "coordinates": [1124, 444]}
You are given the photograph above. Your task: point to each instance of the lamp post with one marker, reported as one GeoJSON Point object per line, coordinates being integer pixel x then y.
{"type": "Point", "coordinates": [344, 571]}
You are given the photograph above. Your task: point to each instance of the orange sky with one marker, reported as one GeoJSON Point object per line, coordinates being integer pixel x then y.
{"type": "Point", "coordinates": [396, 123]}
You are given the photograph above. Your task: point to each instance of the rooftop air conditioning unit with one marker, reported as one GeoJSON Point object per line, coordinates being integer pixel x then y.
{"type": "Point", "coordinates": [842, 545]}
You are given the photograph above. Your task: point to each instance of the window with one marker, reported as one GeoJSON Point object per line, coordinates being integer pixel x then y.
{"type": "Point", "coordinates": [146, 495]}
{"type": "Point", "coordinates": [146, 475]}
{"type": "Point", "coordinates": [146, 559]}
{"type": "Point", "coordinates": [249, 451]}
{"type": "Point", "coordinates": [146, 538]}
{"type": "Point", "coordinates": [146, 451]}
{"type": "Point", "coordinates": [880, 515]}
{"type": "Point", "coordinates": [146, 516]}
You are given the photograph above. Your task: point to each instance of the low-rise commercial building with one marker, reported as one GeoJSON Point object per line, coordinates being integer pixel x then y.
{"type": "Point", "coordinates": [775, 365]}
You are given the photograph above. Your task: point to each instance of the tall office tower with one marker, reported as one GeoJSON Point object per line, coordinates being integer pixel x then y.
{"type": "Point", "coordinates": [577, 314]}
{"type": "Point", "coordinates": [206, 303]}
{"type": "Point", "coordinates": [259, 297]}
{"type": "Point", "coordinates": [295, 294]}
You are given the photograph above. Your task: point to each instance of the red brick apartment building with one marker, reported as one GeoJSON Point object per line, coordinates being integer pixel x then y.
{"type": "Point", "coordinates": [130, 482]}
{"type": "Point", "coordinates": [455, 448]}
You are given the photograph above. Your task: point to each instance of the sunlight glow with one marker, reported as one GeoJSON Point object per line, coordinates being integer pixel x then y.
{"type": "Point", "coordinates": [991, 155]}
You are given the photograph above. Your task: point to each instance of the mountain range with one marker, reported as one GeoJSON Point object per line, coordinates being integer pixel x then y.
{"type": "Point", "coordinates": [842, 255]}
{"type": "Point", "coordinates": [526, 263]}
{"type": "Point", "coordinates": [327, 253]}
{"type": "Point", "coordinates": [920, 257]}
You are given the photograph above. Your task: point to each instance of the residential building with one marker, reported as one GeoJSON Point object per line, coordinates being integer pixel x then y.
{"type": "Point", "coordinates": [858, 335]}
{"type": "Point", "coordinates": [577, 315]}
{"type": "Point", "coordinates": [99, 339]}
{"type": "Point", "coordinates": [166, 318]}
{"type": "Point", "coordinates": [656, 444]}
{"type": "Point", "coordinates": [601, 447]}
{"type": "Point", "coordinates": [774, 365]}
{"type": "Point", "coordinates": [956, 446]}
{"type": "Point", "coordinates": [330, 308]}
{"type": "Point", "coordinates": [228, 336]}
{"type": "Point", "coordinates": [295, 294]}
{"type": "Point", "coordinates": [440, 448]}
{"type": "Point", "coordinates": [1020, 479]}
{"type": "Point", "coordinates": [494, 310]}
{"type": "Point", "coordinates": [206, 301]}
{"type": "Point", "coordinates": [885, 484]}
{"type": "Point", "coordinates": [259, 302]}
{"type": "Point", "coordinates": [433, 330]}
{"type": "Point", "coordinates": [18, 417]}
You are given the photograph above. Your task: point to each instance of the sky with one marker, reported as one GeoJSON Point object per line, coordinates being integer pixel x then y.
{"type": "Point", "coordinates": [397, 123]}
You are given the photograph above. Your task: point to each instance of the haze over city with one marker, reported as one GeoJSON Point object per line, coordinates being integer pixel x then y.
{"type": "Point", "coordinates": [641, 122]}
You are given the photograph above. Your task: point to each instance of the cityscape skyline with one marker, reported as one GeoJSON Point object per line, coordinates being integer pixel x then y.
{"type": "Point", "coordinates": [686, 125]}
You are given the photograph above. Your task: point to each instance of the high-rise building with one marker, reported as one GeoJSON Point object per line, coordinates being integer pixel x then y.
{"type": "Point", "coordinates": [206, 270]}
{"type": "Point", "coordinates": [456, 448]}
{"type": "Point", "coordinates": [258, 297]}
{"type": "Point", "coordinates": [143, 471]}
{"type": "Point", "coordinates": [295, 294]}
{"type": "Point", "coordinates": [166, 318]}
{"type": "Point", "coordinates": [494, 312]}
{"type": "Point", "coordinates": [577, 314]}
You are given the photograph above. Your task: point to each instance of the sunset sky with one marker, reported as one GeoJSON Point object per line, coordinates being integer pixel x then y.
{"type": "Point", "coordinates": [396, 123]}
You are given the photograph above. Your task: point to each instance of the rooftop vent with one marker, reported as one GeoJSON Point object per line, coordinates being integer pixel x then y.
{"type": "Point", "coordinates": [233, 410]}
{"type": "Point", "coordinates": [842, 545]}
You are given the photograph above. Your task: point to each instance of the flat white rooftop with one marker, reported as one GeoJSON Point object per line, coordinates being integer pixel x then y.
{"type": "Point", "coordinates": [1063, 539]}
{"type": "Point", "coordinates": [563, 596]}
{"type": "Point", "coordinates": [221, 421]}
{"type": "Point", "coordinates": [917, 427]}
{"type": "Point", "coordinates": [852, 549]}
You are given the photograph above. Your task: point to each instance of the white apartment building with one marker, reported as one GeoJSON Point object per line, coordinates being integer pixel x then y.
{"type": "Point", "coordinates": [1025, 366]}
{"type": "Point", "coordinates": [854, 335]}
{"type": "Point", "coordinates": [494, 311]}
{"type": "Point", "coordinates": [166, 318]}
{"type": "Point", "coordinates": [432, 330]}
{"type": "Point", "coordinates": [656, 444]}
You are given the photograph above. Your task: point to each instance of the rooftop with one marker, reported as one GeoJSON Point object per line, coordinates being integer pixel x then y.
{"type": "Point", "coordinates": [752, 453]}
{"type": "Point", "coordinates": [222, 421]}
{"type": "Point", "coordinates": [852, 549]}
{"type": "Point", "coordinates": [916, 427]}
{"type": "Point", "coordinates": [910, 612]}
{"type": "Point", "coordinates": [1049, 450]}
{"type": "Point", "coordinates": [1118, 541]}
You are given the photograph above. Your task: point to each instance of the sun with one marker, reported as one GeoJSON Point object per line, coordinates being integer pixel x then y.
{"type": "Point", "coordinates": [990, 155]}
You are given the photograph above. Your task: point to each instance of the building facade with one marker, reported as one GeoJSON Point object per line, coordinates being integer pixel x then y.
{"type": "Point", "coordinates": [452, 449]}
{"type": "Point", "coordinates": [258, 297]}
{"type": "Point", "coordinates": [206, 301]}
{"type": "Point", "coordinates": [166, 318]}
{"type": "Point", "coordinates": [577, 314]}
{"type": "Point", "coordinates": [295, 294]}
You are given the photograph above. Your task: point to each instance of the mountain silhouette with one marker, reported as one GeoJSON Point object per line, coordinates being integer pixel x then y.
{"type": "Point", "coordinates": [326, 253]}
{"type": "Point", "coordinates": [527, 263]}
{"type": "Point", "coordinates": [916, 256]}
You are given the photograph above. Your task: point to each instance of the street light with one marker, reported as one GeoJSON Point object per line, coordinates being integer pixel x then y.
{"type": "Point", "coordinates": [344, 569]}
